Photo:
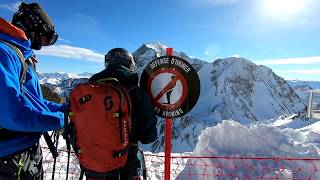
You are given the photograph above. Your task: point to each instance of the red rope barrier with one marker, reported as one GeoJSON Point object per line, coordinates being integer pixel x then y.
{"type": "Point", "coordinates": [184, 167]}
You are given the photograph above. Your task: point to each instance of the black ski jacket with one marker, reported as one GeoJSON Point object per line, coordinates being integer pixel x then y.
{"type": "Point", "coordinates": [143, 118]}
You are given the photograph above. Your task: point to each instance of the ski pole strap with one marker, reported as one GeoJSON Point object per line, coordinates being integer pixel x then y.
{"type": "Point", "coordinates": [50, 145]}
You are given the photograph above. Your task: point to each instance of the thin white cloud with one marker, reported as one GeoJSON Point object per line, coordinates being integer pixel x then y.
{"type": "Point", "coordinates": [11, 6]}
{"type": "Point", "coordinates": [70, 52]}
{"type": "Point", "coordinates": [64, 40]}
{"type": "Point", "coordinates": [285, 61]}
{"type": "Point", "coordinates": [305, 71]}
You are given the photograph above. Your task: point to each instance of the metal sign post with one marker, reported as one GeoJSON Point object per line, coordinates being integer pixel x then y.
{"type": "Point", "coordinates": [168, 137]}
{"type": "Point", "coordinates": [173, 86]}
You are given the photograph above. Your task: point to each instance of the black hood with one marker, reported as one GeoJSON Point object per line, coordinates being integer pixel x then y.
{"type": "Point", "coordinates": [127, 77]}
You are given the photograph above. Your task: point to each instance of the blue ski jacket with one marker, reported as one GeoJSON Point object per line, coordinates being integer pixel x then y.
{"type": "Point", "coordinates": [22, 110]}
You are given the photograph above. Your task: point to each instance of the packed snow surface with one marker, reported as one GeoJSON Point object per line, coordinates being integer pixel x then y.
{"type": "Point", "coordinates": [258, 140]}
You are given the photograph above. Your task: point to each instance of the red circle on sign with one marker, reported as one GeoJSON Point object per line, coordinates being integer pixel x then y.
{"type": "Point", "coordinates": [179, 76]}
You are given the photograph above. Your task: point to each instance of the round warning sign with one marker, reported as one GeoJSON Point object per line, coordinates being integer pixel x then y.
{"type": "Point", "coordinates": [172, 84]}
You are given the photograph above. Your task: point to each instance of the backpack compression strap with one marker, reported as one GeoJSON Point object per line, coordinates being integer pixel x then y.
{"type": "Point", "coordinates": [22, 78]}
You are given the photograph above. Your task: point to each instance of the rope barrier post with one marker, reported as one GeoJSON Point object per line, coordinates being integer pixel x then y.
{"type": "Point", "coordinates": [168, 137]}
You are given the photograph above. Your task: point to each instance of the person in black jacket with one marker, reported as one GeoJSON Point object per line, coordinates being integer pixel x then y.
{"type": "Point", "coordinates": [120, 64]}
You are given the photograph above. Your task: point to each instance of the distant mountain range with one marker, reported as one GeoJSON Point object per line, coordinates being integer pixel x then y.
{"type": "Point", "coordinates": [302, 88]}
{"type": "Point", "coordinates": [231, 88]}
{"type": "Point", "coordinates": [56, 78]}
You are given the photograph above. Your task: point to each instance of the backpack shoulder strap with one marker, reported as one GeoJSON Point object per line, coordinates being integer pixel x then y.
{"type": "Point", "coordinates": [108, 79]}
{"type": "Point", "coordinates": [22, 77]}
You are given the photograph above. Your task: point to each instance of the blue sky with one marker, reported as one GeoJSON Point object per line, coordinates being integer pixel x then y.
{"type": "Point", "coordinates": [282, 34]}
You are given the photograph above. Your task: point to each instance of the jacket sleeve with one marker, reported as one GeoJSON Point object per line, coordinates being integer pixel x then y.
{"type": "Point", "coordinates": [17, 113]}
{"type": "Point", "coordinates": [55, 107]}
{"type": "Point", "coordinates": [147, 120]}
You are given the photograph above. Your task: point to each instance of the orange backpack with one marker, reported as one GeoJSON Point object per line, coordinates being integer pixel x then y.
{"type": "Point", "coordinates": [101, 116]}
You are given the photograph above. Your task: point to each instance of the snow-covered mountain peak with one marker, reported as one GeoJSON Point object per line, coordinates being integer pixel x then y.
{"type": "Point", "coordinates": [233, 62]}
{"type": "Point", "coordinates": [248, 91]}
{"type": "Point", "coordinates": [72, 75]}
{"type": "Point", "coordinates": [231, 65]}
{"type": "Point", "coordinates": [156, 46]}
{"type": "Point", "coordinates": [150, 51]}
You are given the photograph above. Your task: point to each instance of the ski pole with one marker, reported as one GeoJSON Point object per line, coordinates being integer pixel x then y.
{"type": "Point", "coordinates": [56, 150]}
{"type": "Point", "coordinates": [50, 144]}
{"type": "Point", "coordinates": [66, 137]}
{"type": "Point", "coordinates": [68, 149]}
{"type": "Point", "coordinates": [68, 162]}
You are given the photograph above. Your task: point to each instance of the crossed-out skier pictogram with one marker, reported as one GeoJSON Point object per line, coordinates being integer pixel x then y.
{"type": "Point", "coordinates": [168, 88]}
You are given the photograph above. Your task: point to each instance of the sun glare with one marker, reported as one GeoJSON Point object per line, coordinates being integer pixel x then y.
{"type": "Point", "coordinates": [282, 8]}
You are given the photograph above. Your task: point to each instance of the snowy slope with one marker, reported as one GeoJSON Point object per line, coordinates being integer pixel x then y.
{"type": "Point", "coordinates": [231, 139]}
{"type": "Point", "coordinates": [248, 92]}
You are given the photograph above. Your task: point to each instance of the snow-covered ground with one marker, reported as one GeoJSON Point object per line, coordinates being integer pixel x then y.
{"type": "Point", "coordinates": [282, 146]}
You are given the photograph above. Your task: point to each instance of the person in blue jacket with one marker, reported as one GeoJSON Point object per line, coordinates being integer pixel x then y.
{"type": "Point", "coordinates": [24, 113]}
